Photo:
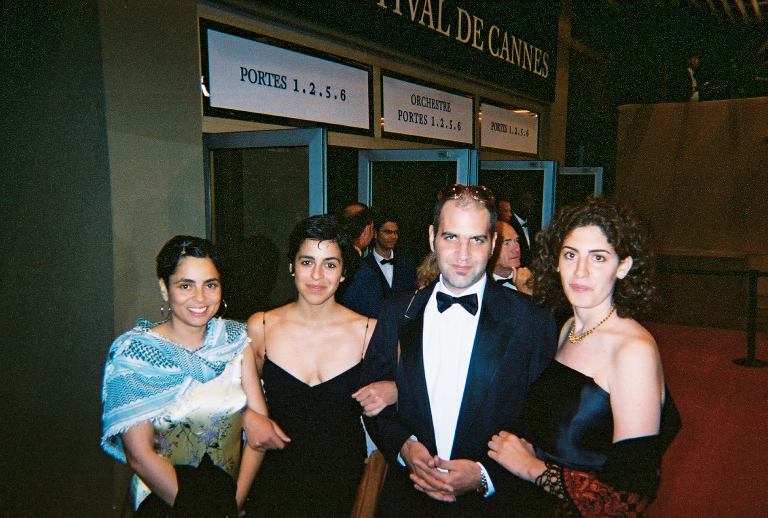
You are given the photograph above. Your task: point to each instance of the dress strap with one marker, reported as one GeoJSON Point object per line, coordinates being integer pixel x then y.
{"type": "Point", "coordinates": [264, 329]}
{"type": "Point", "coordinates": [365, 335]}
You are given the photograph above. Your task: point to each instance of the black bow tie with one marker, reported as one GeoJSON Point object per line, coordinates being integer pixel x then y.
{"type": "Point", "coordinates": [468, 302]}
{"type": "Point", "coordinates": [504, 281]}
{"type": "Point", "coordinates": [388, 261]}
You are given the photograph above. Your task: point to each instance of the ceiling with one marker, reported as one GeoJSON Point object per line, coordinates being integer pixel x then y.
{"type": "Point", "coordinates": [729, 11]}
{"type": "Point", "coordinates": [738, 15]}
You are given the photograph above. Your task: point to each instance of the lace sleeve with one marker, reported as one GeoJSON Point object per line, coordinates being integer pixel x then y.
{"type": "Point", "coordinates": [581, 494]}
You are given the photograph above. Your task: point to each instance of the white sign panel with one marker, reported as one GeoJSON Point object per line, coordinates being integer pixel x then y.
{"type": "Point", "coordinates": [411, 109]}
{"type": "Point", "coordinates": [505, 129]}
{"type": "Point", "coordinates": [254, 77]}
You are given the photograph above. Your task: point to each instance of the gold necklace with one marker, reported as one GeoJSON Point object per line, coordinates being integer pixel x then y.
{"type": "Point", "coordinates": [573, 338]}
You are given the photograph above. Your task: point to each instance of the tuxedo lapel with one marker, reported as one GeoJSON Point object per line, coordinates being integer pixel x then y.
{"type": "Point", "coordinates": [412, 360]}
{"type": "Point", "coordinates": [385, 288]}
{"type": "Point", "coordinates": [491, 340]}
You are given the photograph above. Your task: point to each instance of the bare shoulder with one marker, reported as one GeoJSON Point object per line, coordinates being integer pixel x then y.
{"type": "Point", "coordinates": [635, 353]}
{"type": "Point", "coordinates": [355, 322]}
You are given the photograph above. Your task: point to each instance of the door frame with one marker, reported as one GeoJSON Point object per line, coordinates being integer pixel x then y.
{"type": "Point", "coordinates": [549, 190]}
{"type": "Point", "coordinates": [466, 162]}
{"type": "Point", "coordinates": [316, 139]}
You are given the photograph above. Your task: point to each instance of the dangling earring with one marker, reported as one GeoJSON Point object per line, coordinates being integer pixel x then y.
{"type": "Point", "coordinates": [163, 315]}
{"type": "Point", "coordinates": [225, 308]}
{"type": "Point", "coordinates": [558, 269]}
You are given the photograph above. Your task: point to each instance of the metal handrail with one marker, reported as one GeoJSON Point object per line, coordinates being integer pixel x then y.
{"type": "Point", "coordinates": [750, 360]}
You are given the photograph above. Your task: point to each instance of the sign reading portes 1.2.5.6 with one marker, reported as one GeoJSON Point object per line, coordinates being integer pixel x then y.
{"type": "Point", "coordinates": [250, 76]}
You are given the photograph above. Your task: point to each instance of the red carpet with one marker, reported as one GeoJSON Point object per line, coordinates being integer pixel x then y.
{"type": "Point", "coordinates": [716, 467]}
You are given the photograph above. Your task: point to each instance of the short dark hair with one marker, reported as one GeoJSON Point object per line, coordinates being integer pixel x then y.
{"type": "Point", "coordinates": [179, 247]}
{"type": "Point", "coordinates": [634, 293]}
{"type": "Point", "coordinates": [381, 218]}
{"type": "Point", "coordinates": [323, 227]}
{"type": "Point", "coordinates": [465, 200]}
{"type": "Point", "coordinates": [356, 223]}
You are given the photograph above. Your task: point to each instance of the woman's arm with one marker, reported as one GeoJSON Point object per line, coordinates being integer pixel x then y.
{"type": "Point", "coordinates": [376, 396]}
{"type": "Point", "coordinates": [156, 472]}
{"type": "Point", "coordinates": [252, 458]}
{"type": "Point", "coordinates": [636, 385]}
{"type": "Point", "coordinates": [261, 432]}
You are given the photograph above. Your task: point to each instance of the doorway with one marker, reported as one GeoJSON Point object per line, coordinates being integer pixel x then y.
{"type": "Point", "coordinates": [259, 185]}
{"type": "Point", "coordinates": [406, 183]}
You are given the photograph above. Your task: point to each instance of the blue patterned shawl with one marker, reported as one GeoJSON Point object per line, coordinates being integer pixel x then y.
{"type": "Point", "coordinates": [145, 372]}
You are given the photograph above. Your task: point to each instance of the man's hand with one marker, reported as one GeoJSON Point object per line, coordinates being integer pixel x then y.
{"type": "Point", "coordinates": [522, 275]}
{"type": "Point", "coordinates": [462, 475]}
{"type": "Point", "coordinates": [262, 433]}
{"type": "Point", "coordinates": [376, 396]}
{"type": "Point", "coordinates": [418, 460]}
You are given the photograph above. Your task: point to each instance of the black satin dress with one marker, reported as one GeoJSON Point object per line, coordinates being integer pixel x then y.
{"type": "Point", "coordinates": [318, 472]}
{"type": "Point", "coordinates": [570, 419]}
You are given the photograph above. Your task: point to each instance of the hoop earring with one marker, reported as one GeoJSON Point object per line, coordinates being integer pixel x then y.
{"type": "Point", "coordinates": [225, 308]}
{"type": "Point", "coordinates": [163, 315]}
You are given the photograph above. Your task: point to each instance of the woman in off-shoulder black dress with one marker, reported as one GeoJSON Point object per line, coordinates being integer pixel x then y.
{"type": "Point", "coordinates": [600, 416]}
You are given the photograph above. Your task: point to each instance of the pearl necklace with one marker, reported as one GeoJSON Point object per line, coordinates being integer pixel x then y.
{"type": "Point", "coordinates": [573, 338]}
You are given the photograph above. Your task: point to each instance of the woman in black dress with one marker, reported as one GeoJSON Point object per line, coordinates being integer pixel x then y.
{"type": "Point", "coordinates": [308, 354]}
{"type": "Point", "coordinates": [600, 415]}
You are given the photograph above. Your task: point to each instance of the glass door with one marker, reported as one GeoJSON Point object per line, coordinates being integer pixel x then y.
{"type": "Point", "coordinates": [406, 183]}
{"type": "Point", "coordinates": [529, 186]}
{"type": "Point", "coordinates": [259, 185]}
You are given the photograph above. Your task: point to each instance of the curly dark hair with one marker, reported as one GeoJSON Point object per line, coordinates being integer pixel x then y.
{"type": "Point", "coordinates": [634, 293]}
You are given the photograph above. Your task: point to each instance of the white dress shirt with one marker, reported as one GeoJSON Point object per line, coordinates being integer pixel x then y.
{"type": "Point", "coordinates": [509, 284]}
{"type": "Point", "coordinates": [448, 341]}
{"type": "Point", "coordinates": [387, 269]}
{"type": "Point", "coordinates": [524, 224]}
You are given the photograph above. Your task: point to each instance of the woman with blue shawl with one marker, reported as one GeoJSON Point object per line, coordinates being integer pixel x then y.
{"type": "Point", "coordinates": [175, 393]}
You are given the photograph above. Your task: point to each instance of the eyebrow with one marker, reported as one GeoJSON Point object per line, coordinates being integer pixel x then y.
{"type": "Point", "coordinates": [313, 258]}
{"type": "Point", "coordinates": [589, 251]}
{"type": "Point", "coordinates": [192, 281]}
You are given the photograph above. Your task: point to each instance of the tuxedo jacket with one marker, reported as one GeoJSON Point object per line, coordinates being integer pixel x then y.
{"type": "Point", "coordinates": [525, 250]}
{"type": "Point", "coordinates": [515, 341]}
{"type": "Point", "coordinates": [369, 287]}
{"type": "Point", "coordinates": [403, 274]}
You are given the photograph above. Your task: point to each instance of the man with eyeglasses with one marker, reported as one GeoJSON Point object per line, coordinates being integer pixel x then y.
{"type": "Point", "coordinates": [462, 352]}
{"type": "Point", "coordinates": [396, 272]}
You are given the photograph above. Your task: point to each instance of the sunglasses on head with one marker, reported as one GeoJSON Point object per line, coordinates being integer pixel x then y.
{"type": "Point", "coordinates": [476, 192]}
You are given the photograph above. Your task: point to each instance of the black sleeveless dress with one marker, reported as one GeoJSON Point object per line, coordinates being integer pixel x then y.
{"type": "Point", "coordinates": [318, 472]}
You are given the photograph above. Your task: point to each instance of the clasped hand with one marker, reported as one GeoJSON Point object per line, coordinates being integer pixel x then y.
{"type": "Point", "coordinates": [262, 433]}
{"type": "Point", "coordinates": [376, 396]}
{"type": "Point", "coordinates": [442, 480]}
{"type": "Point", "coordinates": [515, 454]}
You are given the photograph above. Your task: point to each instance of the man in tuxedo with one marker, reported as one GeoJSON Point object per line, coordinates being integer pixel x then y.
{"type": "Point", "coordinates": [507, 216]}
{"type": "Point", "coordinates": [363, 292]}
{"type": "Point", "coordinates": [463, 352]}
{"type": "Point", "coordinates": [504, 266]}
{"type": "Point", "coordinates": [396, 272]}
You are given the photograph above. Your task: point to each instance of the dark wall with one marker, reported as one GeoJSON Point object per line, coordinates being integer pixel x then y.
{"type": "Point", "coordinates": [56, 260]}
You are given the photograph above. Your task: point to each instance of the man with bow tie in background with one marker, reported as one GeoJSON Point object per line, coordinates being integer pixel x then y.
{"type": "Point", "coordinates": [396, 272]}
{"type": "Point", "coordinates": [504, 266]}
{"type": "Point", "coordinates": [468, 350]}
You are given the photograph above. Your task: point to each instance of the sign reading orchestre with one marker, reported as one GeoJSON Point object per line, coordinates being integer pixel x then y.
{"type": "Point", "coordinates": [249, 76]}
{"type": "Point", "coordinates": [505, 129]}
{"type": "Point", "coordinates": [411, 109]}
